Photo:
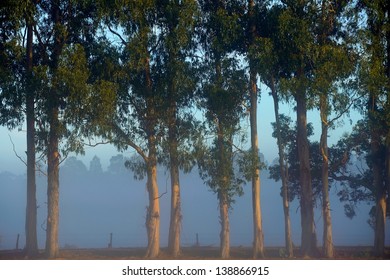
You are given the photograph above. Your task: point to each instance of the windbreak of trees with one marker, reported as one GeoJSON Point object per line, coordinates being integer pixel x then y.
{"type": "Point", "coordinates": [132, 73]}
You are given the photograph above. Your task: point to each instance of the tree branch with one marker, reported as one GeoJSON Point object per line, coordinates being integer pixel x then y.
{"type": "Point", "coordinates": [117, 34]}
{"type": "Point", "coordinates": [16, 154]}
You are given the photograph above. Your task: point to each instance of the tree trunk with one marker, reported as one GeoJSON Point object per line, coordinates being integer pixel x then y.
{"type": "Point", "coordinates": [225, 227]}
{"type": "Point", "coordinates": [378, 182]}
{"type": "Point", "coordinates": [31, 208]}
{"type": "Point", "coordinates": [175, 222]}
{"type": "Point", "coordinates": [258, 237]}
{"type": "Point", "coordinates": [328, 249]}
{"type": "Point", "coordinates": [224, 159]}
{"type": "Point", "coordinates": [308, 239]}
{"type": "Point", "coordinates": [153, 211]}
{"type": "Point", "coordinates": [283, 173]}
{"type": "Point", "coordinates": [52, 247]}
{"type": "Point", "coordinates": [258, 241]}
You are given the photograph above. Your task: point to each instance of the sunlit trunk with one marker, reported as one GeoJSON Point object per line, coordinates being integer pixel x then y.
{"type": "Point", "coordinates": [284, 177]}
{"type": "Point", "coordinates": [328, 249]}
{"type": "Point", "coordinates": [308, 239]}
{"type": "Point", "coordinates": [31, 208]}
{"type": "Point", "coordinates": [258, 237]}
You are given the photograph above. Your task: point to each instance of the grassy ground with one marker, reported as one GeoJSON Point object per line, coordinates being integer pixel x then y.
{"type": "Point", "coordinates": [190, 253]}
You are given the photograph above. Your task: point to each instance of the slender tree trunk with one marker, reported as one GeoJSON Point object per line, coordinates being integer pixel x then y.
{"type": "Point", "coordinates": [223, 161]}
{"type": "Point", "coordinates": [309, 239]}
{"type": "Point", "coordinates": [31, 209]}
{"type": "Point", "coordinates": [258, 238]}
{"type": "Point", "coordinates": [379, 187]}
{"type": "Point", "coordinates": [175, 221]}
{"type": "Point", "coordinates": [52, 247]}
{"type": "Point", "coordinates": [328, 249]}
{"type": "Point", "coordinates": [283, 173]}
{"type": "Point", "coordinates": [153, 211]}
{"type": "Point", "coordinates": [225, 227]}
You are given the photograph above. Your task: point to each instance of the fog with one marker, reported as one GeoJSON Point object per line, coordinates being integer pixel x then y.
{"type": "Point", "coordinates": [96, 201]}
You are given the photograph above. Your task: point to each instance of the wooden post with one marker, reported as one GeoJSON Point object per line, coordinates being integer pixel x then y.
{"type": "Point", "coordinates": [17, 242]}
{"type": "Point", "coordinates": [197, 240]}
{"type": "Point", "coordinates": [110, 244]}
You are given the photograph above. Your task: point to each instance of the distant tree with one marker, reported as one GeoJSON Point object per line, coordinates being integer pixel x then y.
{"type": "Point", "coordinates": [74, 166]}
{"type": "Point", "coordinates": [95, 167]}
{"type": "Point", "coordinates": [117, 164]}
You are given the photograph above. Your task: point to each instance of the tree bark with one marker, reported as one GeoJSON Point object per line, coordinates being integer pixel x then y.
{"type": "Point", "coordinates": [284, 177]}
{"type": "Point", "coordinates": [52, 247]}
{"type": "Point", "coordinates": [175, 219]}
{"type": "Point", "coordinates": [31, 248]}
{"type": "Point", "coordinates": [308, 239]}
{"type": "Point", "coordinates": [328, 248]}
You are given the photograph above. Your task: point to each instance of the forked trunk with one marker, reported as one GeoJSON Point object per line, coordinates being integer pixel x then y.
{"type": "Point", "coordinates": [308, 239]}
{"type": "Point", "coordinates": [31, 208]}
{"type": "Point", "coordinates": [52, 248]}
{"type": "Point", "coordinates": [328, 248]}
{"type": "Point", "coordinates": [284, 176]}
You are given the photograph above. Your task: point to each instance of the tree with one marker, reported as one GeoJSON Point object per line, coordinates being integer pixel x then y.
{"type": "Point", "coordinates": [252, 33]}
{"type": "Point", "coordinates": [267, 61]}
{"type": "Point", "coordinates": [62, 74]}
{"type": "Point", "coordinates": [296, 39]}
{"type": "Point", "coordinates": [137, 123]}
{"type": "Point", "coordinates": [176, 19]}
{"type": "Point", "coordinates": [95, 167]}
{"type": "Point", "coordinates": [333, 66]}
{"type": "Point", "coordinates": [13, 77]}
{"type": "Point", "coordinates": [221, 90]}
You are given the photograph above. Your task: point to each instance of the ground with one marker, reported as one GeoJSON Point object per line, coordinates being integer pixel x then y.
{"type": "Point", "coordinates": [189, 253]}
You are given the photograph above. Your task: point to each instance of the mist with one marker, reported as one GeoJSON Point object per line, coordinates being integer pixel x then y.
{"type": "Point", "coordinates": [96, 201]}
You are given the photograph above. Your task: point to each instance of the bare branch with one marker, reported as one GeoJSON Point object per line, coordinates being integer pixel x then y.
{"type": "Point", "coordinates": [16, 154]}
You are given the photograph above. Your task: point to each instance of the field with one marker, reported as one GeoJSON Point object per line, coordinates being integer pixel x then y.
{"type": "Point", "coordinates": [190, 253]}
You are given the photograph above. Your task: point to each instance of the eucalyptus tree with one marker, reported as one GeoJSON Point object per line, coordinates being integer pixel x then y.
{"type": "Point", "coordinates": [296, 38]}
{"type": "Point", "coordinates": [60, 28]}
{"type": "Point", "coordinates": [267, 61]}
{"type": "Point", "coordinates": [332, 73]}
{"type": "Point", "coordinates": [176, 22]}
{"type": "Point", "coordinates": [222, 88]}
{"type": "Point", "coordinates": [253, 28]}
{"type": "Point", "coordinates": [140, 102]}
{"type": "Point", "coordinates": [375, 85]}
{"type": "Point", "coordinates": [18, 95]}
